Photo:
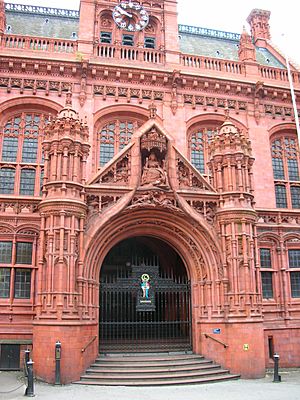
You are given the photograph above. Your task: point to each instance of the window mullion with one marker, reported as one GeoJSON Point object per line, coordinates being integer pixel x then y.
{"type": "Point", "coordinates": [12, 285]}
{"type": "Point", "coordinates": [117, 137]}
{"type": "Point", "coordinates": [21, 139]}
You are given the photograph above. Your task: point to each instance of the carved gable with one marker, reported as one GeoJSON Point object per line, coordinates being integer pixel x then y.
{"type": "Point", "coordinates": [117, 171]}
{"type": "Point", "coordinates": [189, 177]}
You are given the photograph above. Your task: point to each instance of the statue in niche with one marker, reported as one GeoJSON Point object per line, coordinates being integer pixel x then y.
{"type": "Point", "coordinates": [153, 173]}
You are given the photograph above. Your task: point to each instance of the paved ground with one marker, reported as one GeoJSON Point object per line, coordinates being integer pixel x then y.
{"type": "Point", "coordinates": [259, 389]}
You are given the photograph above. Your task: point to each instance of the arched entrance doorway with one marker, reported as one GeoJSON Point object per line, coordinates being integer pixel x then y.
{"type": "Point", "coordinates": [144, 298]}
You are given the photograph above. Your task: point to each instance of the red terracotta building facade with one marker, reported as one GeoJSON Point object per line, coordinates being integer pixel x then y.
{"type": "Point", "coordinates": [126, 138]}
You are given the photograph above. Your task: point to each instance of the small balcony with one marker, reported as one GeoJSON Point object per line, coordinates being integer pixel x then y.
{"type": "Point", "coordinates": [129, 53]}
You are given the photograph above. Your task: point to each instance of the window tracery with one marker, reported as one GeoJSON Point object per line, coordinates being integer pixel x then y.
{"type": "Point", "coordinates": [21, 162]}
{"type": "Point", "coordinates": [285, 161]}
{"type": "Point", "coordinates": [114, 136]}
{"type": "Point", "coordinates": [199, 140]}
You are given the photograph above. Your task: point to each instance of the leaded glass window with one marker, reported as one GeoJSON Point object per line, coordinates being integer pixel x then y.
{"type": "Point", "coordinates": [294, 258]}
{"type": "Point", "coordinates": [24, 253]}
{"type": "Point", "coordinates": [10, 149]}
{"type": "Point", "coordinates": [265, 258]}
{"type": "Point", "coordinates": [4, 282]}
{"type": "Point", "coordinates": [7, 180]}
{"type": "Point", "coordinates": [5, 252]}
{"type": "Point", "coordinates": [114, 136]}
{"type": "Point", "coordinates": [285, 160]}
{"type": "Point", "coordinates": [267, 284]}
{"type": "Point", "coordinates": [22, 283]}
{"type": "Point", "coordinates": [295, 196]}
{"type": "Point", "coordinates": [295, 284]}
{"type": "Point", "coordinates": [277, 160]}
{"type": "Point", "coordinates": [198, 144]}
{"type": "Point", "coordinates": [21, 142]}
{"type": "Point", "coordinates": [281, 199]}
{"type": "Point", "coordinates": [27, 182]}
{"type": "Point", "coordinates": [30, 147]}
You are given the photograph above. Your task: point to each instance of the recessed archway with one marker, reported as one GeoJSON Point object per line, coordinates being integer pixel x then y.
{"type": "Point", "coordinates": [144, 298]}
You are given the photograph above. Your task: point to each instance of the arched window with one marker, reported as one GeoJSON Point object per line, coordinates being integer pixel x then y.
{"type": "Point", "coordinates": [21, 162]}
{"type": "Point", "coordinates": [285, 160]}
{"type": "Point", "coordinates": [114, 136]}
{"type": "Point", "coordinates": [198, 147]}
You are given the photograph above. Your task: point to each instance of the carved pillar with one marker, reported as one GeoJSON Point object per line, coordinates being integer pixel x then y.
{"type": "Point", "coordinates": [63, 212]}
{"type": "Point", "coordinates": [231, 165]}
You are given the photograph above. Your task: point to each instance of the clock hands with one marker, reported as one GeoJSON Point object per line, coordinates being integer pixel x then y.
{"type": "Point", "coordinates": [123, 12]}
{"type": "Point", "coordinates": [130, 16]}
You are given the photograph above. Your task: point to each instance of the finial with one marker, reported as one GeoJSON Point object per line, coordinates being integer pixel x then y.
{"type": "Point", "coordinates": [152, 111]}
{"type": "Point", "coordinates": [69, 99]}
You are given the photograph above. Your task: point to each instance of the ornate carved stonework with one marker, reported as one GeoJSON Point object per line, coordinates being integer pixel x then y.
{"type": "Point", "coordinates": [154, 198]}
{"type": "Point", "coordinates": [207, 209]}
{"type": "Point", "coordinates": [154, 139]}
{"type": "Point", "coordinates": [187, 176]}
{"type": "Point", "coordinates": [118, 173]}
{"type": "Point", "coordinates": [154, 172]}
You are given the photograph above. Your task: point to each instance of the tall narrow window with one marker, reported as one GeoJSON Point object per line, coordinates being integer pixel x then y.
{"type": "Point", "coordinates": [5, 252]}
{"type": "Point", "coordinates": [27, 182]}
{"type": "Point", "coordinates": [295, 284]}
{"type": "Point", "coordinates": [267, 284]}
{"type": "Point", "coordinates": [11, 139]}
{"type": "Point", "coordinates": [285, 161]}
{"type": "Point", "coordinates": [198, 144]}
{"type": "Point", "coordinates": [4, 282]}
{"type": "Point", "coordinates": [294, 258]}
{"type": "Point", "coordinates": [294, 269]}
{"type": "Point", "coordinates": [22, 283]}
{"type": "Point", "coordinates": [280, 194]}
{"type": "Point", "coordinates": [265, 258]}
{"type": "Point", "coordinates": [7, 180]}
{"type": "Point", "coordinates": [266, 274]}
{"type": "Point", "coordinates": [21, 144]}
{"type": "Point", "coordinates": [114, 136]}
{"type": "Point", "coordinates": [24, 253]}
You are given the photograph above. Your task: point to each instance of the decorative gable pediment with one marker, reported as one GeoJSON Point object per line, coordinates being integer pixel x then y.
{"type": "Point", "coordinates": [150, 172]}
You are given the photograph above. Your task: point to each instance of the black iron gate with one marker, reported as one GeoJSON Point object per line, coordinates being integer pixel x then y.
{"type": "Point", "coordinates": [143, 307]}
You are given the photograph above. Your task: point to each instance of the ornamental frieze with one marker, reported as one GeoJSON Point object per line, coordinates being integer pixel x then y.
{"type": "Point", "coordinates": [127, 92]}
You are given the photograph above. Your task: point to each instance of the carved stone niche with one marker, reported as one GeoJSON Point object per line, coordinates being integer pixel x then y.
{"type": "Point", "coordinates": [153, 153]}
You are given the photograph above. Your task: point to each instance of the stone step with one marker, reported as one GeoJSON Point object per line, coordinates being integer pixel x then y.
{"type": "Point", "coordinates": [161, 382]}
{"type": "Point", "coordinates": [150, 364]}
{"type": "Point", "coordinates": [159, 374]}
{"type": "Point", "coordinates": [148, 359]}
{"type": "Point", "coordinates": [152, 369]}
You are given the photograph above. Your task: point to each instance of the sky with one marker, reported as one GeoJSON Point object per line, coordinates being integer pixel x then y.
{"type": "Point", "coordinates": [228, 15]}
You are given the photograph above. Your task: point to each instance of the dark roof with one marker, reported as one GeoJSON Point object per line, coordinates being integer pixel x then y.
{"type": "Point", "coordinates": [64, 24]}
{"type": "Point", "coordinates": [42, 21]}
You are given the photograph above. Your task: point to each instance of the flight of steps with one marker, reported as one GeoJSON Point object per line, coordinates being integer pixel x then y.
{"type": "Point", "coordinates": [144, 369]}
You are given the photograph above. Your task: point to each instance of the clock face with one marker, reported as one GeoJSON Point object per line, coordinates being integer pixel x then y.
{"type": "Point", "coordinates": [130, 16]}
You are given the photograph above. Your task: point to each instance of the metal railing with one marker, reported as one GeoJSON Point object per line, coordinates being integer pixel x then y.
{"type": "Point", "coordinates": [216, 340]}
{"type": "Point", "coordinates": [89, 343]}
